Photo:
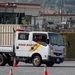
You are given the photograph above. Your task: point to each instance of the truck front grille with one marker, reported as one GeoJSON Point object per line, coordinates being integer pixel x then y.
{"type": "Point", "coordinates": [57, 54]}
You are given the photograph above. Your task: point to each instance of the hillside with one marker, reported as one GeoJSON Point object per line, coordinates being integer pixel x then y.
{"type": "Point", "coordinates": [50, 3]}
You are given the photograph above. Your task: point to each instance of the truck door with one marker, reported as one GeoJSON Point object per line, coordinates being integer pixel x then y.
{"type": "Point", "coordinates": [40, 38]}
{"type": "Point", "coordinates": [22, 44]}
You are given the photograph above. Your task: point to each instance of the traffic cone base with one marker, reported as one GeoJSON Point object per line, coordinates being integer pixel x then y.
{"type": "Point", "coordinates": [10, 72]}
{"type": "Point", "coordinates": [45, 70]}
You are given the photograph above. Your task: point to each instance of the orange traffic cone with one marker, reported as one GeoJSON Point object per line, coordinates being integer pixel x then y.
{"type": "Point", "coordinates": [14, 63]}
{"type": "Point", "coordinates": [10, 72]}
{"type": "Point", "coordinates": [45, 70]}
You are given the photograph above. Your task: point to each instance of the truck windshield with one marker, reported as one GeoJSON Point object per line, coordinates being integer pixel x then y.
{"type": "Point", "coordinates": [55, 39]}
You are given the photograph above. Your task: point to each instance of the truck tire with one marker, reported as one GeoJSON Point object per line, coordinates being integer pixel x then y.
{"type": "Point", "coordinates": [10, 63]}
{"type": "Point", "coordinates": [36, 60]}
{"type": "Point", "coordinates": [50, 64]}
{"type": "Point", "coordinates": [2, 60]}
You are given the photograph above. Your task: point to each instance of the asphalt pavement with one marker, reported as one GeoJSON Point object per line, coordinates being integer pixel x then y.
{"type": "Point", "coordinates": [65, 68]}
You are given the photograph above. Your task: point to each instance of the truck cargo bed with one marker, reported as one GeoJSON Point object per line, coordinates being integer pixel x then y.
{"type": "Point", "coordinates": [6, 48]}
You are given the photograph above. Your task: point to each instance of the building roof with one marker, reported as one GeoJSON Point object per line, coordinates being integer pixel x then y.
{"type": "Point", "coordinates": [57, 14]}
{"type": "Point", "coordinates": [13, 4]}
{"type": "Point", "coordinates": [69, 5]}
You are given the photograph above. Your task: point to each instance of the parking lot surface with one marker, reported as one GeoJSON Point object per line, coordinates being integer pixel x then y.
{"type": "Point", "coordinates": [65, 68]}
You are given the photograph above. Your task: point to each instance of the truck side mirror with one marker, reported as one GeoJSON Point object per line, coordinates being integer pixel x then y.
{"type": "Point", "coordinates": [68, 44]}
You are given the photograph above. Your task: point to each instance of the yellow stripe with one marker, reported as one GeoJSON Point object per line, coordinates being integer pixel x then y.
{"type": "Point", "coordinates": [35, 47]}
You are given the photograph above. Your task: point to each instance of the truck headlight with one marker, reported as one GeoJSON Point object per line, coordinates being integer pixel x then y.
{"type": "Point", "coordinates": [64, 51]}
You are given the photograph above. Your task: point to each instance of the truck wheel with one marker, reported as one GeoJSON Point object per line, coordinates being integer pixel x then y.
{"type": "Point", "coordinates": [10, 63]}
{"type": "Point", "coordinates": [2, 60]}
{"type": "Point", "coordinates": [36, 60]}
{"type": "Point", "coordinates": [50, 64]}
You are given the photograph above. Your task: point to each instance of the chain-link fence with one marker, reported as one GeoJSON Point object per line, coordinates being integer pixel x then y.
{"type": "Point", "coordinates": [69, 42]}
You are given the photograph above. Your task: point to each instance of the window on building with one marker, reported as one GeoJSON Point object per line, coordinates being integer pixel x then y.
{"type": "Point", "coordinates": [15, 18]}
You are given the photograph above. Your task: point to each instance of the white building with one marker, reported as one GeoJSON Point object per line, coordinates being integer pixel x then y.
{"type": "Point", "coordinates": [12, 13]}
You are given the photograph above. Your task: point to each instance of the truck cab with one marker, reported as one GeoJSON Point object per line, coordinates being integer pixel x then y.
{"type": "Point", "coordinates": [39, 47]}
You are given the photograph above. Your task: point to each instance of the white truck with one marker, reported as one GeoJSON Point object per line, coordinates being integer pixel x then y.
{"type": "Point", "coordinates": [34, 47]}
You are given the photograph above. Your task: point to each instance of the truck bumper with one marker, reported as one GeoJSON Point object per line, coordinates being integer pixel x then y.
{"type": "Point", "coordinates": [54, 59]}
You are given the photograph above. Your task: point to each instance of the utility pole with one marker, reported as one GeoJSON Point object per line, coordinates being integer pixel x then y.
{"type": "Point", "coordinates": [61, 10]}
{"type": "Point", "coordinates": [43, 12]}
{"type": "Point", "coordinates": [17, 1]}
{"type": "Point", "coordinates": [56, 6]}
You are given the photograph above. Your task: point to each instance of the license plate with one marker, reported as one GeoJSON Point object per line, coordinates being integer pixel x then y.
{"type": "Point", "coordinates": [58, 60]}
